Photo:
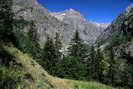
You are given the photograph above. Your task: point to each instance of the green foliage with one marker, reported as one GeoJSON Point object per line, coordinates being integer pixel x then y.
{"type": "Point", "coordinates": [25, 41]}
{"type": "Point", "coordinates": [6, 20]}
{"type": "Point", "coordinates": [5, 58]}
{"type": "Point", "coordinates": [12, 30]}
{"type": "Point", "coordinates": [75, 63]}
{"type": "Point", "coordinates": [52, 56]}
{"type": "Point", "coordinates": [58, 54]}
{"type": "Point", "coordinates": [91, 64]}
{"type": "Point", "coordinates": [118, 40]}
{"type": "Point", "coordinates": [48, 56]}
{"type": "Point", "coordinates": [130, 78]}
{"type": "Point", "coordinates": [73, 68]}
{"type": "Point", "coordinates": [9, 78]}
{"type": "Point", "coordinates": [77, 47]}
{"type": "Point", "coordinates": [42, 78]}
{"type": "Point", "coordinates": [128, 24]}
{"type": "Point", "coordinates": [120, 76]}
{"type": "Point", "coordinates": [126, 31]}
{"type": "Point", "coordinates": [58, 46]}
{"type": "Point", "coordinates": [80, 63]}
{"type": "Point", "coordinates": [107, 68]}
{"type": "Point", "coordinates": [100, 65]}
{"type": "Point", "coordinates": [33, 32]}
{"type": "Point", "coordinates": [96, 64]}
{"type": "Point", "coordinates": [116, 73]}
{"type": "Point", "coordinates": [90, 85]}
{"type": "Point", "coordinates": [112, 68]}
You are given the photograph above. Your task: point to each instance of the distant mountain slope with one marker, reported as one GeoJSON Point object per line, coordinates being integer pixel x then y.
{"type": "Point", "coordinates": [48, 23]}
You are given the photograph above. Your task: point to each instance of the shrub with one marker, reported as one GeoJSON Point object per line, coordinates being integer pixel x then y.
{"type": "Point", "coordinates": [9, 78]}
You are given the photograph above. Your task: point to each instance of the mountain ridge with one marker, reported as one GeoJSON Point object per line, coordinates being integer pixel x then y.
{"type": "Point", "coordinates": [72, 11]}
{"type": "Point", "coordinates": [48, 26]}
{"type": "Point", "coordinates": [89, 30]}
{"type": "Point", "coordinates": [115, 28]}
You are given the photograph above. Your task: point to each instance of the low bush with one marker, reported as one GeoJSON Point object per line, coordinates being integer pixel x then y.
{"type": "Point", "coordinates": [9, 78]}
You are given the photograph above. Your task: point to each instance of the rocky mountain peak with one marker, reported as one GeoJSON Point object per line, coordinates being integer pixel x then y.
{"type": "Point", "coordinates": [71, 11]}
{"type": "Point", "coordinates": [89, 30]}
{"type": "Point", "coordinates": [66, 13]}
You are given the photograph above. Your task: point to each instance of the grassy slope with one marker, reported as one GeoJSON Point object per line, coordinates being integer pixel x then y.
{"type": "Point", "coordinates": [42, 80]}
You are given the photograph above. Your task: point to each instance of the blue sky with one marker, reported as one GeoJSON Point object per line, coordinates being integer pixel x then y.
{"type": "Point", "coordinates": [94, 10]}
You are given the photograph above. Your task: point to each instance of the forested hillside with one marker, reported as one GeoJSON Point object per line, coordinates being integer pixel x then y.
{"type": "Point", "coordinates": [25, 63]}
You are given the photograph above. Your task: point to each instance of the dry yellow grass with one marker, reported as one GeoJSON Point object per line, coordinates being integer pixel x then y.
{"type": "Point", "coordinates": [39, 75]}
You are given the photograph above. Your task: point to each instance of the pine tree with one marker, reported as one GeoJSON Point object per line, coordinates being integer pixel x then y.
{"type": "Point", "coordinates": [52, 56]}
{"type": "Point", "coordinates": [130, 78]}
{"type": "Point", "coordinates": [92, 64]}
{"type": "Point", "coordinates": [48, 55]}
{"type": "Point", "coordinates": [6, 20]}
{"type": "Point", "coordinates": [100, 65]}
{"type": "Point", "coordinates": [77, 55]}
{"type": "Point", "coordinates": [95, 64]}
{"type": "Point", "coordinates": [58, 55]}
{"type": "Point", "coordinates": [112, 69]}
{"type": "Point", "coordinates": [75, 48]}
{"type": "Point", "coordinates": [73, 68]}
{"type": "Point", "coordinates": [58, 46]}
{"type": "Point", "coordinates": [33, 32]}
{"type": "Point", "coordinates": [33, 38]}
{"type": "Point", "coordinates": [78, 48]}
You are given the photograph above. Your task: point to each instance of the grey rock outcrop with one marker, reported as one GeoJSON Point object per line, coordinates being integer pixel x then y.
{"type": "Point", "coordinates": [116, 27]}
{"type": "Point", "coordinates": [31, 10]}
{"type": "Point", "coordinates": [121, 25]}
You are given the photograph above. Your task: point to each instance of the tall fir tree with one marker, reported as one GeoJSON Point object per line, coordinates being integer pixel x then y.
{"type": "Point", "coordinates": [95, 64]}
{"type": "Point", "coordinates": [33, 32]}
{"type": "Point", "coordinates": [78, 48]}
{"type": "Point", "coordinates": [58, 46]}
{"type": "Point", "coordinates": [58, 54]}
{"type": "Point", "coordinates": [72, 68]}
{"type": "Point", "coordinates": [77, 53]}
{"type": "Point", "coordinates": [6, 20]}
{"type": "Point", "coordinates": [48, 53]}
{"type": "Point", "coordinates": [100, 65]}
{"type": "Point", "coordinates": [52, 56]}
{"type": "Point", "coordinates": [33, 37]}
{"type": "Point", "coordinates": [91, 64]}
{"type": "Point", "coordinates": [111, 69]}
{"type": "Point", "coordinates": [75, 48]}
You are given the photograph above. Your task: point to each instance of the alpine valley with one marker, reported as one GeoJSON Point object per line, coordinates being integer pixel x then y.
{"type": "Point", "coordinates": [41, 49]}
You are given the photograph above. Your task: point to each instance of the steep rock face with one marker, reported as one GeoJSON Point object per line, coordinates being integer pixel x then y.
{"type": "Point", "coordinates": [48, 23]}
{"type": "Point", "coordinates": [118, 26]}
{"type": "Point", "coordinates": [122, 26]}
{"type": "Point", "coordinates": [89, 31]}
{"type": "Point", "coordinates": [31, 10]}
